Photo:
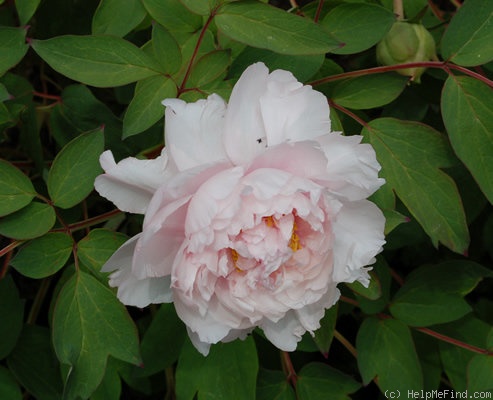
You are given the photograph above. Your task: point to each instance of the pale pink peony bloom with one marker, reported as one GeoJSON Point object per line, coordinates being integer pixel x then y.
{"type": "Point", "coordinates": [254, 212]}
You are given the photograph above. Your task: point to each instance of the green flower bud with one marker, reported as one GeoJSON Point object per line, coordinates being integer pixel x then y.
{"type": "Point", "coordinates": [405, 43]}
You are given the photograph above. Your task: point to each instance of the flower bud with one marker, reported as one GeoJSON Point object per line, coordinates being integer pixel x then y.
{"type": "Point", "coordinates": [406, 43]}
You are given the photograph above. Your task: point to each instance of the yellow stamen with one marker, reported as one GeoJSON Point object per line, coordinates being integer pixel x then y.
{"type": "Point", "coordinates": [294, 242]}
{"type": "Point", "coordinates": [234, 257]}
{"type": "Point", "coordinates": [269, 221]}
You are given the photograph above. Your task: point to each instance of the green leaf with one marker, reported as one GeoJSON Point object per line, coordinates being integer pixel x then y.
{"type": "Point", "coordinates": [43, 256]}
{"type": "Point", "coordinates": [4, 93]}
{"type": "Point", "coordinates": [203, 7]}
{"type": "Point", "coordinates": [381, 269]}
{"type": "Point", "coordinates": [101, 61]}
{"type": "Point", "coordinates": [26, 9]}
{"type": "Point", "coordinates": [209, 67]}
{"type": "Point", "coordinates": [386, 350]}
{"type": "Point", "coordinates": [207, 374]}
{"type": "Point", "coordinates": [315, 380]}
{"type": "Point", "coordinates": [146, 109]}
{"type": "Point", "coordinates": [410, 154]}
{"type": "Point", "coordinates": [479, 373]}
{"type": "Point", "coordinates": [302, 67]}
{"type": "Point", "coordinates": [324, 335]}
{"type": "Point", "coordinates": [260, 25]}
{"type": "Point", "coordinates": [357, 26]}
{"type": "Point", "coordinates": [166, 50]}
{"type": "Point", "coordinates": [98, 246]}
{"type": "Point", "coordinates": [130, 14]}
{"type": "Point", "coordinates": [16, 190]}
{"type": "Point", "coordinates": [372, 292]}
{"type": "Point", "coordinates": [273, 385]}
{"type": "Point", "coordinates": [434, 294]}
{"type": "Point", "coordinates": [76, 166]}
{"type": "Point", "coordinates": [173, 15]}
{"type": "Point", "coordinates": [110, 388]}
{"type": "Point", "coordinates": [29, 222]}
{"type": "Point", "coordinates": [8, 385]}
{"type": "Point", "coordinates": [467, 110]}
{"type": "Point", "coordinates": [34, 364]}
{"type": "Point", "coordinates": [467, 41]}
{"type": "Point", "coordinates": [13, 47]}
{"type": "Point", "coordinates": [369, 91]}
{"type": "Point", "coordinates": [89, 324]}
{"type": "Point", "coordinates": [162, 342]}
{"type": "Point", "coordinates": [11, 315]}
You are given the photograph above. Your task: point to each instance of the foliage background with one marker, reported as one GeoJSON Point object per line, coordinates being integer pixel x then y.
{"type": "Point", "coordinates": [77, 77]}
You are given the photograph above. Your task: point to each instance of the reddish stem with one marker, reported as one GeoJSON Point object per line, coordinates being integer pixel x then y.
{"type": "Point", "coordinates": [88, 222]}
{"type": "Point", "coordinates": [195, 51]}
{"type": "Point", "coordinates": [387, 68]}
{"type": "Point", "coordinates": [289, 368]}
{"type": "Point", "coordinates": [348, 113]}
{"type": "Point", "coordinates": [319, 10]}
{"type": "Point", "coordinates": [47, 96]}
{"type": "Point", "coordinates": [6, 263]}
{"type": "Point", "coordinates": [396, 277]}
{"type": "Point", "coordinates": [11, 247]}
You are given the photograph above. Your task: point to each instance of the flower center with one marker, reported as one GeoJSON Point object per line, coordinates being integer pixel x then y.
{"type": "Point", "coordinates": [294, 242]}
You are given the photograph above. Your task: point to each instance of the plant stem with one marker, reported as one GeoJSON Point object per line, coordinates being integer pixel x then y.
{"type": "Point", "coordinates": [319, 10]}
{"type": "Point", "coordinates": [398, 10]}
{"type": "Point", "coordinates": [342, 340]}
{"type": "Point", "coordinates": [288, 368]}
{"type": "Point", "coordinates": [38, 300]}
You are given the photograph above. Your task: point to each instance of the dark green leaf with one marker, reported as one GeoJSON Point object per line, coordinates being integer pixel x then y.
{"type": "Point", "coordinates": [203, 7]}
{"type": "Point", "coordinates": [162, 342]}
{"type": "Point", "coordinates": [209, 67]}
{"type": "Point", "coordinates": [324, 335]}
{"type": "Point", "coordinates": [382, 270]}
{"type": "Point", "coordinates": [480, 373]}
{"type": "Point", "coordinates": [429, 357]}
{"type": "Point", "coordinates": [8, 386]}
{"type": "Point", "coordinates": [29, 222]}
{"type": "Point", "coordinates": [26, 9]}
{"type": "Point", "coordinates": [260, 25]}
{"type": "Point", "coordinates": [89, 324]}
{"type": "Point", "coordinates": [433, 294]}
{"type": "Point", "coordinates": [372, 292]}
{"type": "Point", "coordinates": [13, 47]}
{"type": "Point", "coordinates": [207, 374]}
{"type": "Point", "coordinates": [357, 26]}
{"type": "Point", "coordinates": [146, 109]}
{"type": "Point", "coordinates": [173, 15]}
{"type": "Point", "coordinates": [166, 49]}
{"type": "Point", "coordinates": [101, 61]}
{"type": "Point", "coordinates": [11, 315]}
{"type": "Point", "coordinates": [71, 177]}
{"type": "Point", "coordinates": [111, 386]}
{"type": "Point", "coordinates": [410, 154]}
{"type": "Point", "coordinates": [34, 364]}
{"type": "Point", "coordinates": [386, 349]}
{"type": "Point", "coordinates": [43, 256]}
{"type": "Point", "coordinates": [98, 246]}
{"type": "Point", "coordinates": [273, 385]}
{"type": "Point", "coordinates": [16, 190]}
{"type": "Point", "coordinates": [114, 17]}
{"type": "Point", "coordinates": [467, 41]}
{"type": "Point", "coordinates": [467, 110]}
{"type": "Point", "coordinates": [315, 380]}
{"type": "Point", "coordinates": [369, 91]}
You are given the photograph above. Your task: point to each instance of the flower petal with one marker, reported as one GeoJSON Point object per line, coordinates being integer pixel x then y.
{"type": "Point", "coordinates": [352, 168]}
{"type": "Point", "coordinates": [285, 333]}
{"type": "Point", "coordinates": [358, 238]}
{"type": "Point", "coordinates": [291, 111]}
{"type": "Point", "coordinates": [194, 132]}
{"type": "Point", "coordinates": [244, 131]}
{"type": "Point", "coordinates": [131, 183]}
{"type": "Point", "coordinates": [311, 314]}
{"type": "Point", "coordinates": [133, 291]}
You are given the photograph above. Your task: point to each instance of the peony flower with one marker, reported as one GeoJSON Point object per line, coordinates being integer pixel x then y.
{"type": "Point", "coordinates": [254, 212]}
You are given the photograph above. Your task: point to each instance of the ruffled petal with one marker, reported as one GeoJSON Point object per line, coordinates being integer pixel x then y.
{"type": "Point", "coordinates": [311, 314]}
{"type": "Point", "coordinates": [133, 291]}
{"type": "Point", "coordinates": [291, 111]}
{"type": "Point", "coordinates": [194, 132]}
{"type": "Point", "coordinates": [352, 168]}
{"type": "Point", "coordinates": [131, 183]}
{"type": "Point", "coordinates": [245, 135]}
{"type": "Point", "coordinates": [285, 333]}
{"type": "Point", "coordinates": [358, 238]}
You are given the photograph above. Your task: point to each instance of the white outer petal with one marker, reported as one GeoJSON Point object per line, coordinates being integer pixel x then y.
{"type": "Point", "coordinates": [194, 131]}
{"type": "Point", "coordinates": [358, 237]}
{"type": "Point", "coordinates": [131, 183]}
{"type": "Point", "coordinates": [285, 333]}
{"type": "Point", "coordinates": [133, 291]}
